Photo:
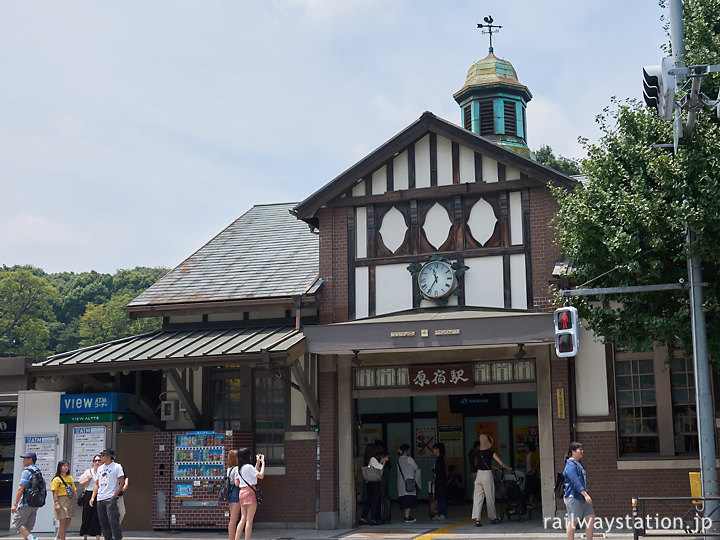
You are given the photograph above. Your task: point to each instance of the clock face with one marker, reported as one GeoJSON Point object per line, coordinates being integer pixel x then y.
{"type": "Point", "coordinates": [436, 279]}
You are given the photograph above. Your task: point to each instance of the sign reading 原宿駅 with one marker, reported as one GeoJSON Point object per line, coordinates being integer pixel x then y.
{"type": "Point", "coordinates": [441, 376]}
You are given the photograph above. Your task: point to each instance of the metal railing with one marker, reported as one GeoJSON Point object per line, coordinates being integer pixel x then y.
{"type": "Point", "coordinates": [691, 522]}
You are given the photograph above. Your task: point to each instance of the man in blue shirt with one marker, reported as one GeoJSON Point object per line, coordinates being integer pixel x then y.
{"type": "Point", "coordinates": [23, 516]}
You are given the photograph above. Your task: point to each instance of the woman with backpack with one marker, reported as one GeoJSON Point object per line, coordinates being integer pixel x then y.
{"type": "Point", "coordinates": [576, 497]}
{"type": "Point", "coordinates": [63, 490]}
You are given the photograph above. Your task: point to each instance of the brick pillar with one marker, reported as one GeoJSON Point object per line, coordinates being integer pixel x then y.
{"type": "Point", "coordinates": [328, 401]}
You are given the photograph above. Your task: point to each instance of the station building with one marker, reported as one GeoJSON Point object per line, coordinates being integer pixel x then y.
{"type": "Point", "coordinates": [409, 300]}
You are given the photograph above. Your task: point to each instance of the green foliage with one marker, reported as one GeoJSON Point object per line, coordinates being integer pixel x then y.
{"type": "Point", "coordinates": [561, 164]}
{"type": "Point", "coordinates": [25, 309]}
{"type": "Point", "coordinates": [625, 226]}
{"type": "Point", "coordinates": [43, 314]}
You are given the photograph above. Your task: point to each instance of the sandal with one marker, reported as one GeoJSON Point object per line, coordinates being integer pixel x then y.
{"type": "Point", "coordinates": [478, 523]}
{"type": "Point", "coordinates": [495, 521]}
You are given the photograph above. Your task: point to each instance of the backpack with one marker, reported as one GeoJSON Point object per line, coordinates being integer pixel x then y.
{"type": "Point", "coordinates": [225, 488]}
{"type": "Point", "coordinates": [560, 486]}
{"type": "Point", "coordinates": [35, 492]}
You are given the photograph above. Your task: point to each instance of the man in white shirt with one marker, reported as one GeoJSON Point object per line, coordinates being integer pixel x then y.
{"type": "Point", "coordinates": [110, 482]}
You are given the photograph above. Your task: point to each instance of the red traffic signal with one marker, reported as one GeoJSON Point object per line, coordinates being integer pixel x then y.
{"type": "Point", "coordinates": [566, 331]}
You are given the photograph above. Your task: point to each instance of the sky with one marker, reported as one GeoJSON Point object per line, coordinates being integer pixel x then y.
{"type": "Point", "coordinates": [133, 132]}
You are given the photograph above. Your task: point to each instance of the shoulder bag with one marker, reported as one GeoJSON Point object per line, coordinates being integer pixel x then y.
{"type": "Point", "coordinates": [372, 474]}
{"type": "Point", "coordinates": [410, 484]}
{"type": "Point", "coordinates": [258, 493]}
{"type": "Point", "coordinates": [225, 488]}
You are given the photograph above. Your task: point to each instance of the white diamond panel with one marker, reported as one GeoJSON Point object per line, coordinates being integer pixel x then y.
{"type": "Point", "coordinates": [393, 229]}
{"type": "Point", "coordinates": [437, 225]}
{"type": "Point", "coordinates": [482, 221]}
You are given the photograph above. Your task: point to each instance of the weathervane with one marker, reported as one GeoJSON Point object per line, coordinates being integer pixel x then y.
{"type": "Point", "coordinates": [489, 26]}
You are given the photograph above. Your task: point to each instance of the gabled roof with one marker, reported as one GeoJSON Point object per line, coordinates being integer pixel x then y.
{"type": "Point", "coordinates": [266, 253]}
{"type": "Point", "coordinates": [427, 123]}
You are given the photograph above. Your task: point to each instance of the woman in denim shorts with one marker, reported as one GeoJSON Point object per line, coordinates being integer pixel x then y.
{"type": "Point", "coordinates": [577, 499]}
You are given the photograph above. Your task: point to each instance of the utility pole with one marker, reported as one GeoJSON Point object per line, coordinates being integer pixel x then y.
{"type": "Point", "coordinates": [703, 392]}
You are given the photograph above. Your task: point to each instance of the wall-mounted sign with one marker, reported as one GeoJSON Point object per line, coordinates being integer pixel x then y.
{"type": "Point", "coordinates": [440, 376]}
{"type": "Point", "coordinates": [87, 442]}
{"type": "Point", "coordinates": [560, 393]}
{"type": "Point", "coordinates": [94, 418]}
{"type": "Point", "coordinates": [425, 438]}
{"type": "Point", "coordinates": [45, 446]}
{"type": "Point", "coordinates": [105, 402]}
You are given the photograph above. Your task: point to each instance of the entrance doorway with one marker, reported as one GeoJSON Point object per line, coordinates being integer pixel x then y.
{"type": "Point", "coordinates": [135, 454]}
{"type": "Point", "coordinates": [511, 418]}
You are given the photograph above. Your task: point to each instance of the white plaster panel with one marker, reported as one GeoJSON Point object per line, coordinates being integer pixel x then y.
{"type": "Point", "coordinates": [490, 170]}
{"type": "Point", "coordinates": [444, 161]}
{"type": "Point", "coordinates": [437, 225]}
{"type": "Point", "coordinates": [516, 224]}
{"type": "Point", "coordinates": [361, 232]}
{"type": "Point", "coordinates": [422, 162]}
{"type": "Point", "coordinates": [358, 189]}
{"type": "Point", "coordinates": [452, 301]}
{"type": "Point", "coordinates": [400, 172]}
{"type": "Point", "coordinates": [482, 221]}
{"type": "Point", "coordinates": [518, 283]}
{"type": "Point", "coordinates": [362, 292]}
{"type": "Point", "coordinates": [484, 282]}
{"type": "Point", "coordinates": [393, 288]}
{"type": "Point", "coordinates": [393, 229]}
{"type": "Point", "coordinates": [467, 165]}
{"type": "Point", "coordinates": [512, 174]}
{"type": "Point", "coordinates": [379, 181]}
{"type": "Point", "coordinates": [590, 375]}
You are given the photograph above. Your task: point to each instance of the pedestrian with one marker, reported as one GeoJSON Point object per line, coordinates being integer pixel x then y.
{"type": "Point", "coordinates": [23, 515]}
{"type": "Point", "coordinates": [407, 469]}
{"type": "Point", "coordinates": [440, 481]}
{"type": "Point", "coordinates": [576, 497]}
{"type": "Point", "coordinates": [484, 486]}
{"type": "Point", "coordinates": [373, 474]}
{"type": "Point", "coordinates": [90, 524]}
{"type": "Point", "coordinates": [248, 475]}
{"type": "Point", "coordinates": [62, 487]}
{"type": "Point", "coordinates": [110, 481]}
{"type": "Point", "coordinates": [532, 473]}
{"type": "Point", "coordinates": [234, 497]}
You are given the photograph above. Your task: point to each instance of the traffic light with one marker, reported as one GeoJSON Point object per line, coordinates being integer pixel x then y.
{"type": "Point", "coordinates": [566, 331]}
{"type": "Point", "coordinates": [659, 88]}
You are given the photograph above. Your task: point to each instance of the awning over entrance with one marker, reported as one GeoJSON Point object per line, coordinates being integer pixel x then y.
{"type": "Point", "coordinates": [435, 329]}
{"type": "Point", "coordinates": [179, 348]}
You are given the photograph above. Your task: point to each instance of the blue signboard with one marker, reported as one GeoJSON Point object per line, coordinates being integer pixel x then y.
{"type": "Point", "coordinates": [105, 402]}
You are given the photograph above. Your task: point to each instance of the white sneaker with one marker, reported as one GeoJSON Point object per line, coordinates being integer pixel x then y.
{"type": "Point", "coordinates": [440, 517]}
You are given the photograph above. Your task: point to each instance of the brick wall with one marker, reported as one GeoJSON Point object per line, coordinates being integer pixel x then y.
{"type": "Point", "coordinates": [281, 503]}
{"type": "Point", "coordinates": [328, 441]}
{"type": "Point", "coordinates": [333, 246]}
{"type": "Point", "coordinates": [544, 252]}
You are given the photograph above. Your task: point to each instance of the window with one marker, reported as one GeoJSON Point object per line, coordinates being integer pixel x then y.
{"type": "Point", "coordinates": [656, 411]}
{"type": "Point", "coordinates": [682, 387]}
{"type": "Point", "coordinates": [487, 118]}
{"type": "Point", "coordinates": [270, 401]}
{"type": "Point", "coordinates": [226, 408]}
{"type": "Point", "coordinates": [637, 410]}
{"type": "Point", "coordinates": [510, 118]}
{"type": "Point", "coordinates": [467, 118]}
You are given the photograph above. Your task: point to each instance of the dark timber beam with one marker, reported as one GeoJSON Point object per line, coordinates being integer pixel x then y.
{"type": "Point", "coordinates": [140, 407]}
{"type": "Point", "coordinates": [174, 377]}
{"type": "Point", "coordinates": [305, 389]}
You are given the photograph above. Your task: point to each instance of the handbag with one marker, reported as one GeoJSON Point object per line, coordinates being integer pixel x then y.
{"type": "Point", "coordinates": [81, 499]}
{"type": "Point", "coordinates": [371, 474]}
{"type": "Point", "coordinates": [559, 486]}
{"type": "Point", "coordinates": [258, 493]}
{"type": "Point", "coordinates": [67, 490]}
{"type": "Point", "coordinates": [432, 501]}
{"type": "Point", "coordinates": [410, 484]}
{"type": "Point", "coordinates": [225, 488]}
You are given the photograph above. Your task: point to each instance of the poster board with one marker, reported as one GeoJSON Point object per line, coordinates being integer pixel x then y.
{"type": "Point", "coordinates": [425, 438]}
{"type": "Point", "coordinates": [522, 435]}
{"type": "Point", "coordinates": [451, 437]}
{"type": "Point", "coordinates": [45, 446]}
{"type": "Point", "coordinates": [87, 442]}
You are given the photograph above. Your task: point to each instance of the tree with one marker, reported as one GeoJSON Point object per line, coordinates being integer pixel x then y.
{"type": "Point", "coordinates": [625, 225]}
{"type": "Point", "coordinates": [108, 321]}
{"type": "Point", "coordinates": [25, 308]}
{"type": "Point", "coordinates": [561, 164]}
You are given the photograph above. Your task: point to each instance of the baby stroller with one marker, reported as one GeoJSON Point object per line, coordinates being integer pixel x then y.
{"type": "Point", "coordinates": [511, 486]}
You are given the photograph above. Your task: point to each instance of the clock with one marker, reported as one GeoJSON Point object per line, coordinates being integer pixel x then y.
{"type": "Point", "coordinates": [436, 279]}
